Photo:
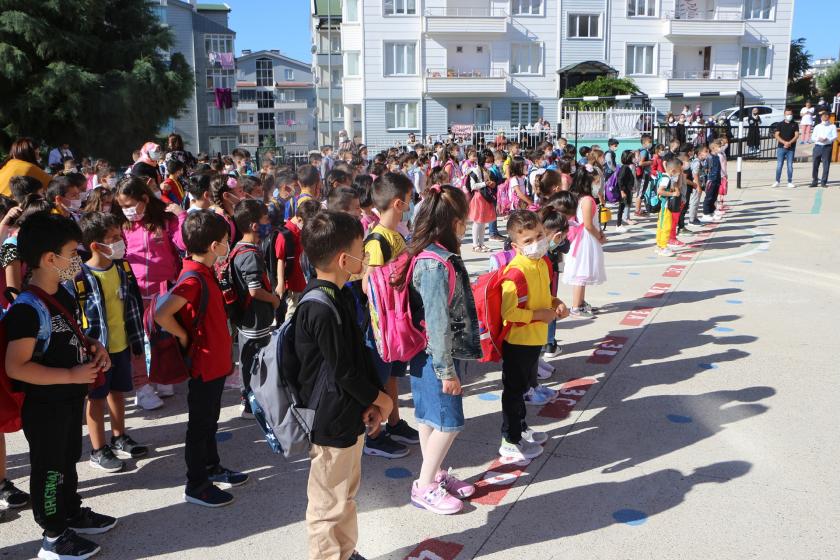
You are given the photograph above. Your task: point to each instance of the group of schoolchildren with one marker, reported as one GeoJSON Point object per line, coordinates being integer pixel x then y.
{"type": "Point", "coordinates": [215, 253]}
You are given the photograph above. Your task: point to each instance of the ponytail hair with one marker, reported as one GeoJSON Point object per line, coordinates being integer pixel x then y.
{"type": "Point", "coordinates": [546, 182]}
{"type": "Point", "coordinates": [582, 182]}
{"type": "Point", "coordinates": [442, 206]}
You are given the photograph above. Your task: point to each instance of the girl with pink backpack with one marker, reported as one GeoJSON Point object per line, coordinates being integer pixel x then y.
{"type": "Point", "coordinates": [442, 285]}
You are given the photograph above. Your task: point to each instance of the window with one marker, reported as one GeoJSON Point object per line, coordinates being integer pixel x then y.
{"type": "Point", "coordinates": [753, 62]}
{"type": "Point", "coordinates": [639, 60]}
{"type": "Point", "coordinates": [247, 139]}
{"type": "Point", "coordinates": [265, 100]}
{"type": "Point", "coordinates": [758, 9]}
{"type": "Point", "coordinates": [219, 78]}
{"type": "Point", "coordinates": [265, 72]}
{"type": "Point", "coordinates": [220, 117]}
{"type": "Point", "coordinates": [247, 95]}
{"type": "Point", "coordinates": [287, 138]}
{"type": "Point", "coordinates": [584, 26]}
{"type": "Point", "coordinates": [287, 118]}
{"type": "Point", "coordinates": [641, 8]}
{"type": "Point", "coordinates": [285, 95]}
{"type": "Point", "coordinates": [290, 75]}
{"type": "Point", "coordinates": [351, 63]}
{"type": "Point", "coordinates": [526, 7]}
{"type": "Point", "coordinates": [218, 43]}
{"type": "Point", "coordinates": [399, 59]}
{"type": "Point", "coordinates": [265, 121]}
{"type": "Point", "coordinates": [351, 12]}
{"type": "Point", "coordinates": [400, 7]}
{"type": "Point", "coordinates": [526, 59]}
{"type": "Point", "coordinates": [335, 77]}
{"type": "Point", "coordinates": [524, 112]}
{"type": "Point", "coordinates": [337, 110]}
{"type": "Point", "coordinates": [159, 11]}
{"type": "Point", "coordinates": [222, 144]}
{"type": "Point", "coordinates": [401, 116]}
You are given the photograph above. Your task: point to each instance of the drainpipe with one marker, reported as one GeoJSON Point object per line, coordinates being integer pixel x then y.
{"type": "Point", "coordinates": [329, 70]}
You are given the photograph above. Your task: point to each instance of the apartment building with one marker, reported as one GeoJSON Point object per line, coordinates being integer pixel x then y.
{"type": "Point", "coordinates": [208, 120]}
{"type": "Point", "coordinates": [276, 102]}
{"type": "Point", "coordinates": [425, 65]}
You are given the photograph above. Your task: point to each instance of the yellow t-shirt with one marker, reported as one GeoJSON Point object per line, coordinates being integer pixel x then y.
{"type": "Point", "coordinates": [374, 248]}
{"type": "Point", "coordinates": [112, 294]}
{"type": "Point", "coordinates": [539, 297]}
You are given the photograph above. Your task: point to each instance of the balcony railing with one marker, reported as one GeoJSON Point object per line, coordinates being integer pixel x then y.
{"type": "Point", "coordinates": [703, 16]}
{"type": "Point", "coordinates": [457, 73]}
{"type": "Point", "coordinates": [466, 12]}
{"type": "Point", "coordinates": [701, 75]}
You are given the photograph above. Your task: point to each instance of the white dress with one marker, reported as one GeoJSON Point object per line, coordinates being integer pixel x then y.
{"type": "Point", "coordinates": [585, 261]}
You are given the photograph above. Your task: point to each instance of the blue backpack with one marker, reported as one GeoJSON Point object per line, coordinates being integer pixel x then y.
{"type": "Point", "coordinates": [278, 409]}
{"type": "Point", "coordinates": [652, 200]}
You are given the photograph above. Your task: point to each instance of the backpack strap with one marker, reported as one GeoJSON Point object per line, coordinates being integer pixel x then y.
{"type": "Point", "coordinates": [42, 339]}
{"type": "Point", "coordinates": [384, 246]}
{"type": "Point", "coordinates": [53, 303]}
{"type": "Point", "coordinates": [321, 379]}
{"type": "Point", "coordinates": [203, 296]}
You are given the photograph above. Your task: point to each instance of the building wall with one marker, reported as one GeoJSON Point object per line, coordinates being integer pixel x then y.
{"type": "Point", "coordinates": [179, 18]}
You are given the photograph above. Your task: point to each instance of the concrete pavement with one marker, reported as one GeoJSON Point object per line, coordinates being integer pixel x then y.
{"type": "Point", "coordinates": [698, 419]}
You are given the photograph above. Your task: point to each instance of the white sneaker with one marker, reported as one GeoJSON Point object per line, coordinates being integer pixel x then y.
{"type": "Point", "coordinates": [666, 252]}
{"type": "Point", "coordinates": [791, 186]}
{"type": "Point", "coordinates": [774, 185]}
{"type": "Point", "coordinates": [531, 436]}
{"type": "Point", "coordinates": [522, 451]}
{"type": "Point", "coordinates": [543, 374]}
{"type": "Point", "coordinates": [164, 391]}
{"type": "Point", "coordinates": [146, 398]}
{"type": "Point", "coordinates": [621, 229]}
{"type": "Point", "coordinates": [706, 218]}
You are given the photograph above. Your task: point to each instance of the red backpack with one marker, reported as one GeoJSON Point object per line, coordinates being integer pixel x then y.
{"type": "Point", "coordinates": [487, 293]}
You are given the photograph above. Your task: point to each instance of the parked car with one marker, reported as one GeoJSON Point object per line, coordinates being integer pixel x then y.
{"type": "Point", "coordinates": [769, 116]}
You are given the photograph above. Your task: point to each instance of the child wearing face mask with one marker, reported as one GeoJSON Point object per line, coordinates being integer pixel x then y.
{"type": "Point", "coordinates": [152, 237]}
{"type": "Point", "coordinates": [65, 192]}
{"type": "Point", "coordinates": [556, 231]}
{"type": "Point", "coordinates": [112, 310]}
{"type": "Point", "coordinates": [524, 341]}
{"type": "Point", "coordinates": [667, 187]}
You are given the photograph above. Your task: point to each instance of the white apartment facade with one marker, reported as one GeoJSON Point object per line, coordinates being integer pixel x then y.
{"type": "Point", "coordinates": [424, 65]}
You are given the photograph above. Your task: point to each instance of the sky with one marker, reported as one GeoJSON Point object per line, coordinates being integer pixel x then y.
{"type": "Point", "coordinates": [284, 25]}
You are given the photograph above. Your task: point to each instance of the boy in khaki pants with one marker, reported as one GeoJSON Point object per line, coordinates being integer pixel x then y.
{"type": "Point", "coordinates": [328, 340]}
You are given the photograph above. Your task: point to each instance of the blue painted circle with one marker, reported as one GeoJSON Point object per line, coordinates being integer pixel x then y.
{"type": "Point", "coordinates": [707, 366]}
{"type": "Point", "coordinates": [747, 261]}
{"type": "Point", "coordinates": [652, 258]}
{"type": "Point", "coordinates": [488, 397]}
{"type": "Point", "coordinates": [397, 472]}
{"type": "Point", "coordinates": [613, 293]}
{"type": "Point", "coordinates": [734, 301]}
{"type": "Point", "coordinates": [223, 436]}
{"type": "Point", "coordinates": [630, 516]}
{"type": "Point", "coordinates": [679, 419]}
{"type": "Point", "coordinates": [736, 280]}
{"type": "Point", "coordinates": [724, 329]}
{"type": "Point", "coordinates": [633, 273]}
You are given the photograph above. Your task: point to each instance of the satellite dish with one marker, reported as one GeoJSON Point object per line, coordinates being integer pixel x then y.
{"type": "Point", "coordinates": [313, 49]}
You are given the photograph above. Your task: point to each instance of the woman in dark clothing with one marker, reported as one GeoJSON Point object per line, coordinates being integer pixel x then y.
{"type": "Point", "coordinates": [753, 132]}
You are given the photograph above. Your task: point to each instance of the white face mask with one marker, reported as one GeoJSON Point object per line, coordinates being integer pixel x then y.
{"type": "Point", "coordinates": [158, 194]}
{"type": "Point", "coordinates": [154, 155]}
{"type": "Point", "coordinates": [112, 182]}
{"type": "Point", "coordinates": [117, 250]}
{"type": "Point", "coordinates": [536, 250]}
{"type": "Point", "coordinates": [131, 214]}
{"type": "Point", "coordinates": [788, 118]}
{"type": "Point", "coordinates": [222, 258]}
{"type": "Point", "coordinates": [75, 204]}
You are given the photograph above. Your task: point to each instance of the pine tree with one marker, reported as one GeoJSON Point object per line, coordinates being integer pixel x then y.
{"type": "Point", "coordinates": [91, 73]}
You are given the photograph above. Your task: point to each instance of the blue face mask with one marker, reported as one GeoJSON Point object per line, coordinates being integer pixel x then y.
{"type": "Point", "coordinates": [406, 217]}
{"type": "Point", "coordinates": [264, 231]}
{"type": "Point", "coordinates": [552, 245]}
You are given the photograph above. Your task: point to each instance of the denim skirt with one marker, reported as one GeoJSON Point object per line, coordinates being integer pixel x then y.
{"type": "Point", "coordinates": [432, 407]}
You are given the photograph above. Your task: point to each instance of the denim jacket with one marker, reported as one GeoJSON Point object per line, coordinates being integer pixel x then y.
{"type": "Point", "coordinates": [451, 329]}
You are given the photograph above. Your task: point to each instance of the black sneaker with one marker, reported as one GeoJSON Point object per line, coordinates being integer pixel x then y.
{"type": "Point", "coordinates": [384, 446]}
{"type": "Point", "coordinates": [12, 496]}
{"type": "Point", "coordinates": [552, 350]}
{"type": "Point", "coordinates": [403, 433]}
{"type": "Point", "coordinates": [88, 522]}
{"type": "Point", "coordinates": [68, 546]}
{"type": "Point", "coordinates": [356, 556]}
{"type": "Point", "coordinates": [126, 448]}
{"type": "Point", "coordinates": [226, 478]}
{"type": "Point", "coordinates": [245, 409]}
{"type": "Point", "coordinates": [210, 496]}
{"type": "Point", "coordinates": [105, 460]}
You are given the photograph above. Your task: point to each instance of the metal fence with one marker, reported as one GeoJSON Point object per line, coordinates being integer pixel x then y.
{"type": "Point", "coordinates": [765, 149]}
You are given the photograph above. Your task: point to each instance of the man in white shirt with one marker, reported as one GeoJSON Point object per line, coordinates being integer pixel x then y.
{"type": "Point", "coordinates": [824, 136]}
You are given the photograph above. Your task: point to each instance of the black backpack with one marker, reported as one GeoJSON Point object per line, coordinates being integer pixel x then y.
{"type": "Point", "coordinates": [267, 246]}
{"type": "Point", "coordinates": [384, 246]}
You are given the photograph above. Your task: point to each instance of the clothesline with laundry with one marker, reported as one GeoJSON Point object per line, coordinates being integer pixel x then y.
{"type": "Point", "coordinates": [223, 59]}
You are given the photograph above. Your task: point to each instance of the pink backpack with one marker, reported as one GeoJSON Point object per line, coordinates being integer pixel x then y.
{"type": "Point", "coordinates": [397, 338]}
{"type": "Point", "coordinates": [503, 198]}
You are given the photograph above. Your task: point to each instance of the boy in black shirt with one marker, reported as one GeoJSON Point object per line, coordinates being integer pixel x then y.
{"type": "Point", "coordinates": [55, 364]}
{"type": "Point", "coordinates": [333, 242]}
{"type": "Point", "coordinates": [253, 290]}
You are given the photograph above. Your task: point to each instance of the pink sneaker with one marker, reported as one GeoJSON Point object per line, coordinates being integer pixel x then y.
{"type": "Point", "coordinates": [435, 498]}
{"type": "Point", "coordinates": [457, 488]}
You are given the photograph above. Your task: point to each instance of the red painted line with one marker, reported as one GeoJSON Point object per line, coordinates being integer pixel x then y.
{"type": "Point", "coordinates": [606, 350]}
{"type": "Point", "coordinates": [497, 481]}
{"type": "Point", "coordinates": [657, 290]}
{"type": "Point", "coordinates": [636, 317]}
{"type": "Point", "coordinates": [433, 549]}
{"type": "Point", "coordinates": [686, 256]}
{"type": "Point", "coordinates": [674, 271]}
{"type": "Point", "coordinates": [571, 392]}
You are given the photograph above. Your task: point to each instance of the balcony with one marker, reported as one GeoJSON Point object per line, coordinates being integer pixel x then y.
{"type": "Point", "coordinates": [289, 105]}
{"type": "Point", "coordinates": [684, 24]}
{"type": "Point", "coordinates": [245, 127]}
{"type": "Point", "coordinates": [324, 91]}
{"type": "Point", "coordinates": [247, 105]}
{"type": "Point", "coordinates": [465, 21]}
{"type": "Point", "coordinates": [327, 58]}
{"type": "Point", "coordinates": [702, 80]}
{"type": "Point", "coordinates": [451, 81]}
{"type": "Point", "coordinates": [291, 126]}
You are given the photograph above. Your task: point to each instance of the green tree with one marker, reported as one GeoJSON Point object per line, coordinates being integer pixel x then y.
{"type": "Point", "coordinates": [829, 82]}
{"type": "Point", "coordinates": [800, 85]}
{"type": "Point", "coordinates": [90, 73]}
{"type": "Point", "coordinates": [603, 86]}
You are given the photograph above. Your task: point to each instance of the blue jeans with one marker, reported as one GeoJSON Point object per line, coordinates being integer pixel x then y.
{"type": "Point", "coordinates": [822, 154]}
{"type": "Point", "coordinates": [552, 331]}
{"type": "Point", "coordinates": [433, 407]}
{"type": "Point", "coordinates": [783, 154]}
{"type": "Point", "coordinates": [493, 228]}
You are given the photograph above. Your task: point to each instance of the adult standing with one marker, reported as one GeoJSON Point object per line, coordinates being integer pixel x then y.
{"type": "Point", "coordinates": [806, 122]}
{"type": "Point", "coordinates": [753, 131]}
{"type": "Point", "coordinates": [786, 135]}
{"type": "Point", "coordinates": [825, 134]}
{"type": "Point", "coordinates": [822, 106]}
{"type": "Point", "coordinates": [175, 151]}
{"type": "Point", "coordinates": [57, 156]}
{"type": "Point", "coordinates": [23, 159]}
{"type": "Point", "coordinates": [345, 142]}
